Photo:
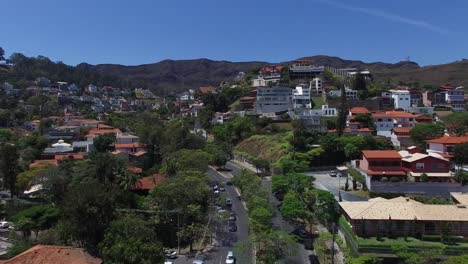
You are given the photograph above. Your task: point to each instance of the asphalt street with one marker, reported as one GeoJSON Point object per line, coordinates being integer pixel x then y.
{"type": "Point", "coordinates": [225, 241]}
{"type": "Point", "coordinates": [325, 182]}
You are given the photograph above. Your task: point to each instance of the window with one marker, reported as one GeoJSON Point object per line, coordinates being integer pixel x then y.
{"type": "Point", "coordinates": [420, 166]}
{"type": "Point", "coordinates": [437, 166]}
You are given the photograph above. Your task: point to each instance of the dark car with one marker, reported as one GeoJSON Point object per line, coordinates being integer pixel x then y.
{"type": "Point", "coordinates": [232, 228]}
{"type": "Point", "coordinates": [301, 234]}
{"type": "Point", "coordinates": [228, 202]}
{"type": "Point", "coordinates": [314, 259]}
{"type": "Point", "coordinates": [279, 196]}
{"type": "Point", "coordinates": [309, 243]}
{"type": "Point", "coordinates": [229, 183]}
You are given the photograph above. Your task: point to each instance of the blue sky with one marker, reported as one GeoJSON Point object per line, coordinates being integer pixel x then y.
{"type": "Point", "coordinates": [144, 31]}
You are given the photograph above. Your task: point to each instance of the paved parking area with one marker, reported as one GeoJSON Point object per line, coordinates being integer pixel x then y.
{"type": "Point", "coordinates": [324, 181]}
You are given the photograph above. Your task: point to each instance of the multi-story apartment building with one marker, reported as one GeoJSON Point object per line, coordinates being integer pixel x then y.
{"type": "Point", "coordinates": [401, 99]}
{"type": "Point", "coordinates": [446, 96]}
{"type": "Point", "coordinates": [273, 99]}
{"type": "Point", "coordinates": [304, 69]}
{"type": "Point", "coordinates": [301, 97]}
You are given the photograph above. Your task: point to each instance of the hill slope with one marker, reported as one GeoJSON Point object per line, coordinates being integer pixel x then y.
{"type": "Point", "coordinates": [179, 75]}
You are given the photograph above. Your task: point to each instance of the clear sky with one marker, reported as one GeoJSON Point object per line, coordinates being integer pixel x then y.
{"type": "Point", "coordinates": [135, 32]}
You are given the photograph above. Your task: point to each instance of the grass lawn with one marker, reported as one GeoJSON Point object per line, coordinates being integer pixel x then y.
{"type": "Point", "coordinates": [318, 102]}
{"type": "Point", "coordinates": [361, 193]}
{"type": "Point", "coordinates": [409, 242]}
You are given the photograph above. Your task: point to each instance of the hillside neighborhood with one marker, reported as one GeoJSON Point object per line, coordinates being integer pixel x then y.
{"type": "Point", "coordinates": [284, 163]}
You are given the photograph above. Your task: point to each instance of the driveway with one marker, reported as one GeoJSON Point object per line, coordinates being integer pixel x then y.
{"type": "Point", "coordinates": [324, 181]}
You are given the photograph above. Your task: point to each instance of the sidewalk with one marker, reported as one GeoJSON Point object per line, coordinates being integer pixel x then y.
{"type": "Point", "coordinates": [244, 165]}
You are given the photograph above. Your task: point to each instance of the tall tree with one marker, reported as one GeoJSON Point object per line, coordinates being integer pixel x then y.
{"type": "Point", "coordinates": [131, 240]}
{"type": "Point", "coordinates": [9, 166]}
{"type": "Point", "coordinates": [342, 112]}
{"type": "Point", "coordinates": [359, 82]}
{"type": "Point", "coordinates": [103, 143]}
{"type": "Point", "coordinates": [422, 132]}
{"type": "Point", "coordinates": [2, 54]}
{"type": "Point", "coordinates": [457, 123]}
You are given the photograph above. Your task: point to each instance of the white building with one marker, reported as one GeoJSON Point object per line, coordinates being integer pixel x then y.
{"type": "Point", "coordinates": [259, 82]}
{"type": "Point", "coordinates": [386, 121]}
{"type": "Point", "coordinates": [316, 87]}
{"type": "Point", "coordinates": [350, 94]}
{"type": "Point", "coordinates": [301, 97]}
{"type": "Point", "coordinates": [273, 99]}
{"type": "Point", "coordinates": [402, 99]}
{"type": "Point", "coordinates": [456, 99]}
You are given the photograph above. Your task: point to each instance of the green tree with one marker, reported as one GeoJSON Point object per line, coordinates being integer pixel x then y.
{"type": "Point", "coordinates": [220, 153]}
{"type": "Point", "coordinates": [131, 240]}
{"type": "Point", "coordinates": [294, 209]}
{"type": "Point", "coordinates": [2, 54]}
{"type": "Point", "coordinates": [191, 233]}
{"type": "Point", "coordinates": [87, 210]}
{"type": "Point", "coordinates": [424, 131]}
{"type": "Point", "coordinates": [359, 82]}
{"type": "Point", "coordinates": [272, 246]}
{"type": "Point", "coordinates": [185, 160]}
{"type": "Point", "coordinates": [365, 260]}
{"type": "Point", "coordinates": [460, 152]}
{"type": "Point", "coordinates": [342, 112]}
{"type": "Point", "coordinates": [37, 218]}
{"type": "Point", "coordinates": [9, 167]}
{"type": "Point", "coordinates": [457, 123]}
{"type": "Point", "coordinates": [104, 142]}
{"type": "Point", "coordinates": [457, 259]}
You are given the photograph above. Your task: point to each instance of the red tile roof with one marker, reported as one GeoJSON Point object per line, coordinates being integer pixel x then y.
{"type": "Point", "coordinates": [405, 130]}
{"type": "Point", "coordinates": [148, 183]}
{"type": "Point", "coordinates": [381, 154]}
{"type": "Point", "coordinates": [359, 110]}
{"type": "Point", "coordinates": [207, 89]}
{"type": "Point", "coordinates": [448, 140]}
{"type": "Point", "coordinates": [96, 131]}
{"type": "Point", "coordinates": [135, 170]}
{"type": "Point", "coordinates": [140, 153]}
{"type": "Point", "coordinates": [128, 145]}
{"type": "Point", "coordinates": [70, 156]}
{"type": "Point", "coordinates": [42, 254]}
{"type": "Point", "coordinates": [394, 114]}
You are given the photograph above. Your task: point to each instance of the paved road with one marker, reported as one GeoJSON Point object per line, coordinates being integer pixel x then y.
{"type": "Point", "coordinates": [225, 240]}
{"type": "Point", "coordinates": [302, 255]}
{"type": "Point", "coordinates": [325, 182]}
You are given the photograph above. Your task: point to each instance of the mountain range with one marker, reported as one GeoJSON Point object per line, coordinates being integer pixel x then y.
{"type": "Point", "coordinates": [179, 75]}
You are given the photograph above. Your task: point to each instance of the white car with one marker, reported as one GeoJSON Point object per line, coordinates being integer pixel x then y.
{"type": "Point", "coordinates": [4, 224]}
{"type": "Point", "coordinates": [168, 262]}
{"type": "Point", "coordinates": [198, 262]}
{"type": "Point", "coordinates": [230, 259]}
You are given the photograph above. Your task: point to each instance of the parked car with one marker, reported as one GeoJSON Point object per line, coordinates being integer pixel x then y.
{"type": "Point", "coordinates": [333, 173]}
{"type": "Point", "coordinates": [198, 262]}
{"type": "Point", "coordinates": [229, 183]}
{"type": "Point", "coordinates": [4, 224]}
{"type": "Point", "coordinates": [170, 253]}
{"type": "Point", "coordinates": [232, 218]}
{"type": "Point", "coordinates": [228, 202]}
{"type": "Point", "coordinates": [168, 262]}
{"type": "Point", "coordinates": [230, 259]}
{"type": "Point", "coordinates": [222, 189]}
{"type": "Point", "coordinates": [232, 228]}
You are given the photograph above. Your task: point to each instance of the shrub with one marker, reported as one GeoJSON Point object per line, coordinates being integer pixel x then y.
{"type": "Point", "coordinates": [394, 179]}
{"type": "Point", "coordinates": [384, 179]}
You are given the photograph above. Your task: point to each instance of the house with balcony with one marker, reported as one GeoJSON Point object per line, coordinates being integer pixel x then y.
{"type": "Point", "coordinates": [385, 122]}
{"type": "Point", "coordinates": [126, 138]}
{"type": "Point", "coordinates": [401, 99]}
{"type": "Point", "coordinates": [448, 96]}
{"type": "Point", "coordinates": [377, 164]}
{"type": "Point", "coordinates": [435, 167]}
{"type": "Point", "coordinates": [273, 100]}
{"type": "Point", "coordinates": [301, 97]}
{"type": "Point", "coordinates": [270, 74]}
{"type": "Point", "coordinates": [444, 145]}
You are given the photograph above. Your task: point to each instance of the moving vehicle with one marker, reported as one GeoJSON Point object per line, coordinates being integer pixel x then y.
{"type": "Point", "coordinates": [168, 262]}
{"type": "Point", "coordinates": [333, 173]}
{"type": "Point", "coordinates": [198, 262]}
{"type": "Point", "coordinates": [230, 259]}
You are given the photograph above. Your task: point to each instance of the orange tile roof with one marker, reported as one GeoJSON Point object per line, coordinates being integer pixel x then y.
{"type": "Point", "coordinates": [394, 114]}
{"type": "Point", "coordinates": [96, 131]}
{"type": "Point", "coordinates": [423, 117]}
{"type": "Point", "coordinates": [140, 153]}
{"type": "Point", "coordinates": [42, 254]}
{"type": "Point", "coordinates": [135, 170]}
{"type": "Point", "coordinates": [148, 183]}
{"type": "Point", "coordinates": [448, 140]}
{"type": "Point", "coordinates": [207, 89]}
{"type": "Point", "coordinates": [381, 154]}
{"type": "Point", "coordinates": [359, 110]}
{"type": "Point", "coordinates": [402, 129]}
{"type": "Point", "coordinates": [128, 145]}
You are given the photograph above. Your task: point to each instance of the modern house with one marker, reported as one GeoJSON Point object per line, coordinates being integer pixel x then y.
{"type": "Point", "coordinates": [316, 86]}
{"type": "Point", "coordinates": [377, 164]}
{"type": "Point", "coordinates": [129, 148]}
{"type": "Point", "coordinates": [446, 96]}
{"type": "Point", "coordinates": [401, 99]}
{"type": "Point", "coordinates": [301, 97]}
{"type": "Point", "coordinates": [444, 145]}
{"type": "Point", "coordinates": [270, 73]}
{"type": "Point", "coordinates": [403, 216]}
{"type": "Point", "coordinates": [125, 138]}
{"type": "Point", "coordinates": [350, 94]}
{"type": "Point", "coordinates": [273, 100]}
{"type": "Point", "coordinates": [385, 122]}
